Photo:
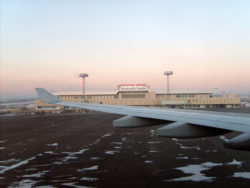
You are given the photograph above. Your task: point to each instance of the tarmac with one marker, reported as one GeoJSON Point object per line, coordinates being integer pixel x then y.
{"type": "Point", "coordinates": [84, 150]}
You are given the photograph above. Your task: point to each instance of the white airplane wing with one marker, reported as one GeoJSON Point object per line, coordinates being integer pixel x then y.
{"type": "Point", "coordinates": [175, 123]}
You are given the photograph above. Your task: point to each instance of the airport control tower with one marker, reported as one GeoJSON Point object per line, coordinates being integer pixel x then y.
{"type": "Point", "coordinates": [83, 76]}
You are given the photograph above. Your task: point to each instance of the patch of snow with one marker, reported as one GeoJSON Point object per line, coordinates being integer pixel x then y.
{"type": "Point", "coordinates": [124, 138]}
{"type": "Point", "coordinates": [88, 179]}
{"type": "Point", "coordinates": [196, 171]}
{"type": "Point", "coordinates": [49, 152]}
{"type": "Point", "coordinates": [235, 162]}
{"type": "Point", "coordinates": [1, 148]}
{"type": "Point", "coordinates": [174, 139]}
{"type": "Point", "coordinates": [186, 147]}
{"type": "Point", "coordinates": [58, 163]}
{"type": "Point", "coordinates": [117, 147]}
{"type": "Point", "coordinates": [37, 175]}
{"type": "Point", "coordinates": [95, 167]}
{"type": "Point", "coordinates": [245, 175]}
{"type": "Point", "coordinates": [147, 161]}
{"type": "Point", "coordinates": [2, 167]}
{"type": "Point", "coordinates": [153, 151]}
{"type": "Point", "coordinates": [106, 135]}
{"type": "Point", "coordinates": [182, 157]}
{"type": "Point", "coordinates": [156, 142]}
{"type": "Point", "coordinates": [111, 152]}
{"type": "Point", "coordinates": [24, 184]}
{"type": "Point", "coordinates": [2, 141]}
{"type": "Point", "coordinates": [94, 158]}
{"type": "Point", "coordinates": [71, 155]}
{"type": "Point", "coordinates": [69, 158]}
{"type": "Point", "coordinates": [119, 143]}
{"type": "Point", "coordinates": [73, 184]}
{"type": "Point", "coordinates": [9, 161]}
{"type": "Point", "coordinates": [223, 138]}
{"type": "Point", "coordinates": [17, 165]}
{"type": "Point", "coordinates": [12, 153]}
{"type": "Point", "coordinates": [97, 141]}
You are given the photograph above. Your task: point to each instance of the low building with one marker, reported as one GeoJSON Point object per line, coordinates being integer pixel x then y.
{"type": "Point", "coordinates": [141, 95]}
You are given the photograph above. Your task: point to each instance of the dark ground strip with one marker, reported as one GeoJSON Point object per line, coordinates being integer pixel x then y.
{"type": "Point", "coordinates": [85, 150]}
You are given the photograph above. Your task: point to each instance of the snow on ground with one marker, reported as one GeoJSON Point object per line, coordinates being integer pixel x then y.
{"type": "Point", "coordinates": [37, 175]}
{"type": "Point", "coordinates": [119, 143]}
{"type": "Point", "coordinates": [182, 157]}
{"type": "Point", "coordinates": [148, 161]}
{"type": "Point", "coordinates": [223, 138]}
{"type": "Point", "coordinates": [16, 165]}
{"type": "Point", "coordinates": [242, 175]}
{"type": "Point", "coordinates": [95, 167]}
{"type": "Point", "coordinates": [196, 171]}
{"type": "Point", "coordinates": [27, 183]}
{"type": "Point", "coordinates": [235, 162]}
{"type": "Point", "coordinates": [156, 142]}
{"type": "Point", "coordinates": [9, 161]}
{"type": "Point", "coordinates": [73, 184]}
{"type": "Point", "coordinates": [112, 152]}
{"type": "Point", "coordinates": [94, 158]}
{"type": "Point", "coordinates": [88, 179]}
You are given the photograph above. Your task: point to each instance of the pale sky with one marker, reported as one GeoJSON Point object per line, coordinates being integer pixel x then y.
{"type": "Point", "coordinates": [47, 43]}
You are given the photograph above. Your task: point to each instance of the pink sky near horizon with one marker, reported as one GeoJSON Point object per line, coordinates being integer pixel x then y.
{"type": "Point", "coordinates": [206, 44]}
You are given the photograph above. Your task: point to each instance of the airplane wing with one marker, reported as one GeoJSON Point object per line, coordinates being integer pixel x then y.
{"type": "Point", "coordinates": [175, 123]}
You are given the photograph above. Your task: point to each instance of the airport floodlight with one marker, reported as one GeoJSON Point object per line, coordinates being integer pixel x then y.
{"type": "Point", "coordinates": [83, 76]}
{"type": "Point", "coordinates": [168, 73]}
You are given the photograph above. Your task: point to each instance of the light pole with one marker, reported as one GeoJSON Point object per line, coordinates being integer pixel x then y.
{"type": "Point", "coordinates": [83, 76]}
{"type": "Point", "coordinates": [168, 73]}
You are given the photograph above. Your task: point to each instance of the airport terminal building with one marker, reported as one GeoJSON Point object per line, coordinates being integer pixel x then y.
{"type": "Point", "coordinates": [141, 95]}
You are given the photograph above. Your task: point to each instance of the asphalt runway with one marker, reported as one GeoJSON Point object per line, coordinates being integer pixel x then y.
{"type": "Point", "coordinates": [84, 150]}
